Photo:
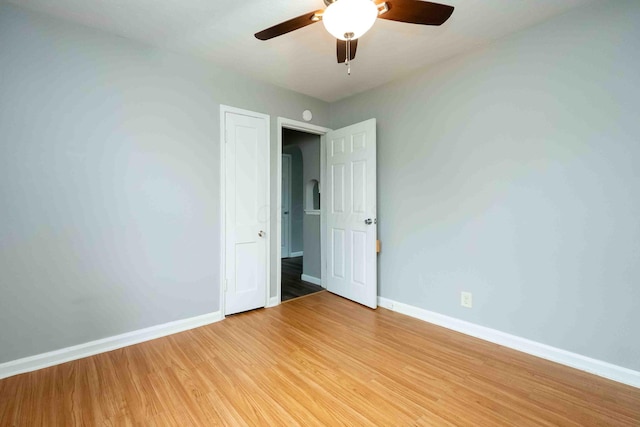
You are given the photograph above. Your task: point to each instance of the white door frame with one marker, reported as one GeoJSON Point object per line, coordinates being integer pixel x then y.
{"type": "Point", "coordinates": [290, 192]}
{"type": "Point", "coordinates": [284, 123]}
{"type": "Point", "coordinates": [223, 199]}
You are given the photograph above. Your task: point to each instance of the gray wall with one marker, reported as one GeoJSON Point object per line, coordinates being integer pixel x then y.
{"type": "Point", "coordinates": [297, 208]}
{"type": "Point", "coordinates": [512, 173]}
{"type": "Point", "coordinates": [109, 197]}
{"type": "Point", "coordinates": [309, 145]}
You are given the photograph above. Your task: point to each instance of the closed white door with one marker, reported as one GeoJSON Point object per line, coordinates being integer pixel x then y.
{"type": "Point", "coordinates": [246, 154]}
{"type": "Point", "coordinates": [351, 213]}
{"type": "Point", "coordinates": [286, 207]}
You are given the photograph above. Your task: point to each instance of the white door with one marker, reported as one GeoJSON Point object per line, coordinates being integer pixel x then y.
{"type": "Point", "coordinates": [246, 174]}
{"type": "Point", "coordinates": [286, 207]}
{"type": "Point", "coordinates": [351, 213]}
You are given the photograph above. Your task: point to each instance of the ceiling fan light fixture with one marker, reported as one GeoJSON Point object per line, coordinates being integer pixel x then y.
{"type": "Point", "coordinates": [349, 17]}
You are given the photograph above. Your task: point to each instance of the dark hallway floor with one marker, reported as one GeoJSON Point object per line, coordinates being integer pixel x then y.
{"type": "Point", "coordinates": [292, 285]}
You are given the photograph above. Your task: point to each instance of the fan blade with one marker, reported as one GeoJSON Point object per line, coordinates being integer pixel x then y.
{"type": "Point", "coordinates": [290, 25]}
{"type": "Point", "coordinates": [341, 49]}
{"type": "Point", "coordinates": [417, 12]}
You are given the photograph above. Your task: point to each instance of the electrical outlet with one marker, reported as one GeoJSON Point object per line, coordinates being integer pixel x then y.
{"type": "Point", "coordinates": [466, 299]}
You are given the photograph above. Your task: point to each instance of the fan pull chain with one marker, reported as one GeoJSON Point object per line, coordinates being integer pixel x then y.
{"type": "Point", "coordinates": [347, 62]}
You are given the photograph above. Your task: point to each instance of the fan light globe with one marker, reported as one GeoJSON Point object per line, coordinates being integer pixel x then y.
{"type": "Point", "coordinates": [349, 16]}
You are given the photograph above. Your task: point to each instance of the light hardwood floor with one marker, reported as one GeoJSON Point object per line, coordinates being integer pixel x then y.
{"type": "Point", "coordinates": [319, 360]}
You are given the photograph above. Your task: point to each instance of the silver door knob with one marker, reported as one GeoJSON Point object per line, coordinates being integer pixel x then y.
{"type": "Point", "coordinates": [261, 233]}
{"type": "Point", "coordinates": [368, 221]}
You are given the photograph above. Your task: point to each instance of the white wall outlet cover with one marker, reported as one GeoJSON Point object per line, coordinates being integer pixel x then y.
{"type": "Point", "coordinates": [306, 115]}
{"type": "Point", "coordinates": [466, 299]}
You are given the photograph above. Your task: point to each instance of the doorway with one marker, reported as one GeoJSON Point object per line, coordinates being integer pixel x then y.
{"type": "Point", "coordinates": [348, 253]}
{"type": "Point", "coordinates": [300, 273]}
{"type": "Point", "coordinates": [300, 208]}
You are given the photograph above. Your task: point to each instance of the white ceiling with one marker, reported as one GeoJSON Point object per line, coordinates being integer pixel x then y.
{"type": "Point", "coordinates": [303, 60]}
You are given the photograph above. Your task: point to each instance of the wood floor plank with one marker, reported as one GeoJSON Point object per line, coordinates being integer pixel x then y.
{"type": "Point", "coordinates": [319, 360]}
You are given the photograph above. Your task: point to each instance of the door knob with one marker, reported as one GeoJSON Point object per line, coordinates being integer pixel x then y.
{"type": "Point", "coordinates": [368, 221]}
{"type": "Point", "coordinates": [261, 233]}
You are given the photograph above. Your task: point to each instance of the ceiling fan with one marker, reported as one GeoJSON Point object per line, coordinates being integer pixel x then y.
{"type": "Point", "coordinates": [347, 20]}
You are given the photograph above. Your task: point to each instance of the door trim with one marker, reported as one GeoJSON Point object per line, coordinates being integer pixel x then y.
{"type": "Point", "coordinates": [284, 123]}
{"type": "Point", "coordinates": [290, 192]}
{"type": "Point", "coordinates": [224, 109]}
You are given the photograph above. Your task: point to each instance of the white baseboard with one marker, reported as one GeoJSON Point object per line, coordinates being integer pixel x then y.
{"type": "Point", "coordinates": [44, 360]}
{"type": "Point", "coordinates": [273, 301]}
{"type": "Point", "coordinates": [311, 279]}
{"type": "Point", "coordinates": [296, 254]}
{"type": "Point", "coordinates": [574, 360]}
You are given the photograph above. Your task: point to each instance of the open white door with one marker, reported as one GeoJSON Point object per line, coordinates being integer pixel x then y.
{"type": "Point", "coordinates": [246, 213]}
{"type": "Point", "coordinates": [350, 197]}
{"type": "Point", "coordinates": [285, 241]}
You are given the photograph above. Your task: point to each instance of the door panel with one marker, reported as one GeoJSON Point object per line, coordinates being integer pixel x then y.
{"type": "Point", "coordinates": [337, 253]}
{"type": "Point", "coordinates": [246, 258]}
{"type": "Point", "coordinates": [246, 198]}
{"type": "Point", "coordinates": [358, 179]}
{"type": "Point", "coordinates": [359, 258]}
{"type": "Point", "coordinates": [351, 217]}
{"type": "Point", "coordinates": [337, 184]}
